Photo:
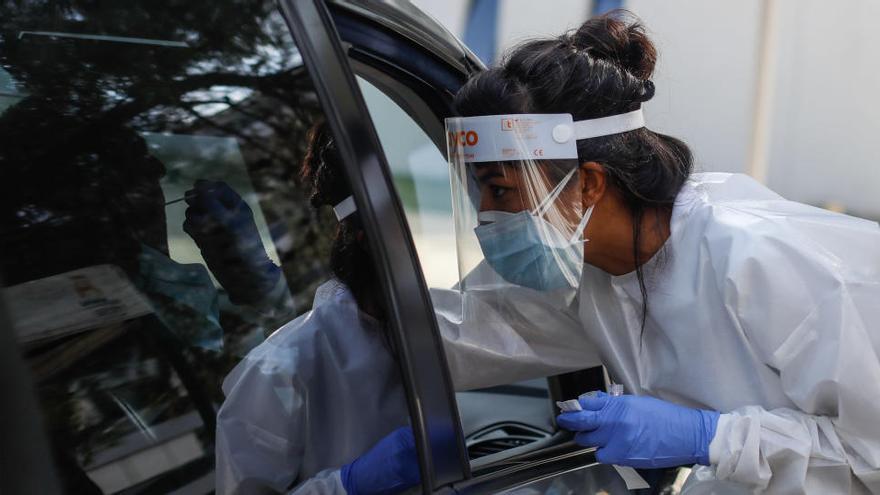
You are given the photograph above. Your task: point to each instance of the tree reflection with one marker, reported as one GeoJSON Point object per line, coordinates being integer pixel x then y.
{"type": "Point", "coordinates": [81, 188]}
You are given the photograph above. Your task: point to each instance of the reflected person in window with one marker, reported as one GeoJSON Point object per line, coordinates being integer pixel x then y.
{"type": "Point", "coordinates": [87, 194]}
{"type": "Point", "coordinates": [223, 227]}
{"type": "Point", "coordinates": [318, 407]}
{"type": "Point", "coordinates": [82, 193]}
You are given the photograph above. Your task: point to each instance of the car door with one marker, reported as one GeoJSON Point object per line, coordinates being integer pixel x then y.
{"type": "Point", "coordinates": [434, 419]}
{"type": "Point", "coordinates": [121, 328]}
{"type": "Point", "coordinates": [407, 82]}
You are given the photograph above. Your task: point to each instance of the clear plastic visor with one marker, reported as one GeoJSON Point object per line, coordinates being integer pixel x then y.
{"type": "Point", "coordinates": [517, 204]}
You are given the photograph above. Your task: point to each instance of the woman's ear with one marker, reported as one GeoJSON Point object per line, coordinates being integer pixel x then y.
{"type": "Point", "coordinates": [593, 183]}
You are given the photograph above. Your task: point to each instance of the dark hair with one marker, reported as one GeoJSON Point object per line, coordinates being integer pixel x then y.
{"type": "Point", "coordinates": [349, 258]}
{"type": "Point", "coordinates": [603, 68]}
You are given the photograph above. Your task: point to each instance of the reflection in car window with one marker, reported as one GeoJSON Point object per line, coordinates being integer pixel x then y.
{"type": "Point", "coordinates": [598, 479]}
{"type": "Point", "coordinates": [155, 232]}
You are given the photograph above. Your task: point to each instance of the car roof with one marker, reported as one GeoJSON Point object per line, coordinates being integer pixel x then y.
{"type": "Point", "coordinates": [404, 18]}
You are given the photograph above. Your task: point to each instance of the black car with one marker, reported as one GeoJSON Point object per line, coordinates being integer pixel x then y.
{"type": "Point", "coordinates": [108, 113]}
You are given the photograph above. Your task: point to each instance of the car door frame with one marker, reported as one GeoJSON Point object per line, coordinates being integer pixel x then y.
{"type": "Point", "coordinates": [415, 74]}
{"type": "Point", "coordinates": [426, 380]}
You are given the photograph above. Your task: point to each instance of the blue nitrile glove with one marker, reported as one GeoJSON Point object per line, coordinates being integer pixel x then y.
{"type": "Point", "coordinates": [223, 227]}
{"type": "Point", "coordinates": [642, 432]}
{"type": "Point", "coordinates": [391, 466]}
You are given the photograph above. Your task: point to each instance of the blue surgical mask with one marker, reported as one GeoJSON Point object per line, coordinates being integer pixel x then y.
{"type": "Point", "coordinates": [527, 250]}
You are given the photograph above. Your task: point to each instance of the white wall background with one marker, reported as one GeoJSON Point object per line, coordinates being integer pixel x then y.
{"type": "Point", "coordinates": [825, 144]}
{"type": "Point", "coordinates": [705, 76]}
{"type": "Point", "coordinates": [823, 134]}
{"type": "Point", "coordinates": [541, 21]}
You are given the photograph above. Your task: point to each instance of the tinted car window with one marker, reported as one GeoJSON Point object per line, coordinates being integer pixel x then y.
{"type": "Point", "coordinates": [155, 233]}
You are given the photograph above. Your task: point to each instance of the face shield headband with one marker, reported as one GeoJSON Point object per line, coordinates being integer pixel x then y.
{"type": "Point", "coordinates": [493, 138]}
{"type": "Point", "coordinates": [561, 134]}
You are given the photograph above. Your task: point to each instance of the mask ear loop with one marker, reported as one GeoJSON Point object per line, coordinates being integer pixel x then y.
{"type": "Point", "coordinates": [577, 236]}
{"type": "Point", "coordinates": [544, 206]}
{"type": "Point", "coordinates": [579, 232]}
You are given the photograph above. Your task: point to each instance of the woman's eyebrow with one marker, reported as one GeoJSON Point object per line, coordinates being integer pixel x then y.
{"type": "Point", "coordinates": [489, 175]}
{"type": "Point", "coordinates": [488, 171]}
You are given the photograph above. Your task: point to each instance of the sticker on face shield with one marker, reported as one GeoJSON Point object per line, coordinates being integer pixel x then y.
{"type": "Point", "coordinates": [493, 138]}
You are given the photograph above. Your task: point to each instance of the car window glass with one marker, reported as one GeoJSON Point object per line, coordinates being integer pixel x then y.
{"type": "Point", "coordinates": [421, 176]}
{"type": "Point", "coordinates": [163, 260]}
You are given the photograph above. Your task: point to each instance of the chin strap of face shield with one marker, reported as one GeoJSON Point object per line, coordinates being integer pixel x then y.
{"type": "Point", "coordinates": [345, 208]}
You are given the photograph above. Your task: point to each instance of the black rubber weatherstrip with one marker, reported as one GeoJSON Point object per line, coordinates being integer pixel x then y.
{"type": "Point", "coordinates": [431, 400]}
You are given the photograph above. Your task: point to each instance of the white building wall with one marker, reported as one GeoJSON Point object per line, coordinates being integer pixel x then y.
{"type": "Point", "coordinates": [450, 13]}
{"type": "Point", "coordinates": [823, 134]}
{"type": "Point", "coordinates": [705, 76]}
{"type": "Point", "coordinates": [825, 144]}
{"type": "Point", "coordinates": [520, 20]}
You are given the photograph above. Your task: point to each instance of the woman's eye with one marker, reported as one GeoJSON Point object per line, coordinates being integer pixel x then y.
{"type": "Point", "coordinates": [497, 192]}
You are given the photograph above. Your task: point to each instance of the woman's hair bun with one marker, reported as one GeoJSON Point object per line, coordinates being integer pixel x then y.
{"type": "Point", "coordinates": [647, 91]}
{"type": "Point", "coordinates": [619, 38]}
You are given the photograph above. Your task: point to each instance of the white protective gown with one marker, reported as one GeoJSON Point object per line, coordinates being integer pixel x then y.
{"type": "Point", "coordinates": [764, 309]}
{"type": "Point", "coordinates": [319, 392]}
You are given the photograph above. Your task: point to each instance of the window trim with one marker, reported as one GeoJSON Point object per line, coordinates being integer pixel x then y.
{"type": "Point", "coordinates": [517, 471]}
{"type": "Point", "coordinates": [426, 379]}
{"type": "Point", "coordinates": [407, 99]}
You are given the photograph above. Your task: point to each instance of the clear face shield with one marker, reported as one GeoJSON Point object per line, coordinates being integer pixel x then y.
{"type": "Point", "coordinates": [517, 199]}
